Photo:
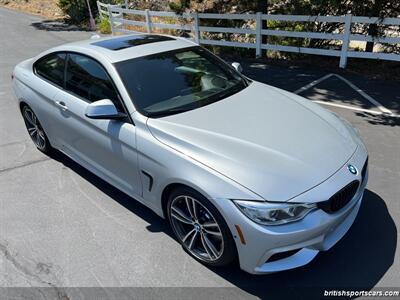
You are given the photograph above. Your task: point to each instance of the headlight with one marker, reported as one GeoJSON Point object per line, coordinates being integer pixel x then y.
{"type": "Point", "coordinates": [273, 213]}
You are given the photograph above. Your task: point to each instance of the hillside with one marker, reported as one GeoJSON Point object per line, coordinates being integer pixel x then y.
{"type": "Point", "coordinates": [46, 8]}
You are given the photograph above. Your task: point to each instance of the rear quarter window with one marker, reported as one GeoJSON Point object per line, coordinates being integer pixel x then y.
{"type": "Point", "coordinates": [52, 68]}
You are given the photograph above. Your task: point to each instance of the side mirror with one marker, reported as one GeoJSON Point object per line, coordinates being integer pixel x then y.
{"type": "Point", "coordinates": [103, 109]}
{"type": "Point", "coordinates": [237, 67]}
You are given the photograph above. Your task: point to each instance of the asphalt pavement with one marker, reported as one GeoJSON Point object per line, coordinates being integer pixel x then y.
{"type": "Point", "coordinates": [61, 226]}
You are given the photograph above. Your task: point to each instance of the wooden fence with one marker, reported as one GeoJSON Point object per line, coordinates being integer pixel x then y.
{"type": "Point", "coordinates": [117, 15]}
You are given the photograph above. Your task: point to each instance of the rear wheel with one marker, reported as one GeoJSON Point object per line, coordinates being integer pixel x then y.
{"type": "Point", "coordinates": [35, 130]}
{"type": "Point", "coordinates": [200, 228]}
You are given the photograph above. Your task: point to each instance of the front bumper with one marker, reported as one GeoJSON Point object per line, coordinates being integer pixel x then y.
{"type": "Point", "coordinates": [318, 231]}
{"type": "Point", "coordinates": [319, 238]}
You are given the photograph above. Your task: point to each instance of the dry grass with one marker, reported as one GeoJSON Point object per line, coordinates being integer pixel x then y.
{"type": "Point", "coordinates": [45, 8]}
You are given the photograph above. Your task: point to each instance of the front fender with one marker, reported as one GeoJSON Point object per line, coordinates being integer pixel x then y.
{"type": "Point", "coordinates": [167, 166]}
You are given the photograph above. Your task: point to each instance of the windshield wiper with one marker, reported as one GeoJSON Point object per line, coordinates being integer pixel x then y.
{"type": "Point", "coordinates": [213, 98]}
{"type": "Point", "coordinates": [168, 112]}
{"type": "Point", "coordinates": [230, 91]}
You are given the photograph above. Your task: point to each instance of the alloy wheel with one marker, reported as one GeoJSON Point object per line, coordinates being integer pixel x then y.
{"type": "Point", "coordinates": [34, 128]}
{"type": "Point", "coordinates": [196, 228]}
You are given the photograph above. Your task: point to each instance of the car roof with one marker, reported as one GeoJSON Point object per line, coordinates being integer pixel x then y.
{"type": "Point", "coordinates": [125, 47]}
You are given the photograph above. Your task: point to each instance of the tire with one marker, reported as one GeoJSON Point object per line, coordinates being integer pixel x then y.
{"type": "Point", "coordinates": [196, 229]}
{"type": "Point", "coordinates": [35, 130]}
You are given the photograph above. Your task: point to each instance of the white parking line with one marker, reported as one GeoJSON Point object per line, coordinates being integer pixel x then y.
{"type": "Point", "coordinates": [383, 110]}
{"type": "Point", "coordinates": [348, 107]}
{"type": "Point", "coordinates": [311, 84]}
{"type": "Point", "coordinates": [365, 95]}
{"type": "Point", "coordinates": [374, 112]}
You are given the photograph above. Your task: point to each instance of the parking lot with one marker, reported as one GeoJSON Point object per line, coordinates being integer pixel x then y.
{"type": "Point", "coordinates": [61, 226]}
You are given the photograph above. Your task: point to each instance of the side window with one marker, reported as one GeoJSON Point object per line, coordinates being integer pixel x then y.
{"type": "Point", "coordinates": [52, 68]}
{"type": "Point", "coordinates": [87, 78]}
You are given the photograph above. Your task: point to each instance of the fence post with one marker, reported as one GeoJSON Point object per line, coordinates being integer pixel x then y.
{"type": "Point", "coordinates": [148, 22]}
{"type": "Point", "coordinates": [110, 18]}
{"type": "Point", "coordinates": [258, 33]}
{"type": "Point", "coordinates": [126, 4]}
{"type": "Point", "coordinates": [345, 41]}
{"type": "Point", "coordinates": [99, 10]}
{"type": "Point", "coordinates": [196, 27]}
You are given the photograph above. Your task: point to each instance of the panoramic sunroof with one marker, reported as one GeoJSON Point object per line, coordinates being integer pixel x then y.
{"type": "Point", "coordinates": [131, 41]}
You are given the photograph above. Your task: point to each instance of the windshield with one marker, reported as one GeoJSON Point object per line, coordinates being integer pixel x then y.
{"type": "Point", "coordinates": [176, 81]}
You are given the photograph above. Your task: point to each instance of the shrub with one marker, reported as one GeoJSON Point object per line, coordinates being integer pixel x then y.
{"type": "Point", "coordinates": [77, 9]}
{"type": "Point", "coordinates": [103, 26]}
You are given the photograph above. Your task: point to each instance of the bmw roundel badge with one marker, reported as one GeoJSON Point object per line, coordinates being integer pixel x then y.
{"type": "Point", "coordinates": [352, 169]}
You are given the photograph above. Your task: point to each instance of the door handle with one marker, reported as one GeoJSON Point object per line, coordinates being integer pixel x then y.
{"type": "Point", "coordinates": [62, 105]}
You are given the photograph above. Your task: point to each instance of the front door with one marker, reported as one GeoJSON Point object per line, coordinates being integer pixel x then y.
{"type": "Point", "coordinates": [107, 147]}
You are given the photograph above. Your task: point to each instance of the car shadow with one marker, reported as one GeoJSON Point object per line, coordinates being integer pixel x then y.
{"type": "Point", "coordinates": [156, 223]}
{"type": "Point", "coordinates": [357, 262]}
{"type": "Point", "coordinates": [57, 25]}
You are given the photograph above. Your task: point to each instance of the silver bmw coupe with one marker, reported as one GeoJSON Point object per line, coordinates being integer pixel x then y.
{"type": "Point", "coordinates": [240, 169]}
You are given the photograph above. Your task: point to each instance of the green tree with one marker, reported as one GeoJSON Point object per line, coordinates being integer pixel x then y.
{"type": "Point", "coordinates": [223, 6]}
{"type": "Point", "coordinates": [368, 8]}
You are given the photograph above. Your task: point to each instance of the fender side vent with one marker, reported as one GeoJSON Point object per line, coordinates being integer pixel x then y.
{"type": "Point", "coordinates": [150, 178]}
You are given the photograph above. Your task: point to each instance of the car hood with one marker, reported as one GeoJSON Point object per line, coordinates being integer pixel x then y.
{"type": "Point", "coordinates": [274, 143]}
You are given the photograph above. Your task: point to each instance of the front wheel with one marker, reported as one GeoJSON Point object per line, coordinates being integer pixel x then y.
{"type": "Point", "coordinates": [200, 228]}
{"type": "Point", "coordinates": [35, 130]}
